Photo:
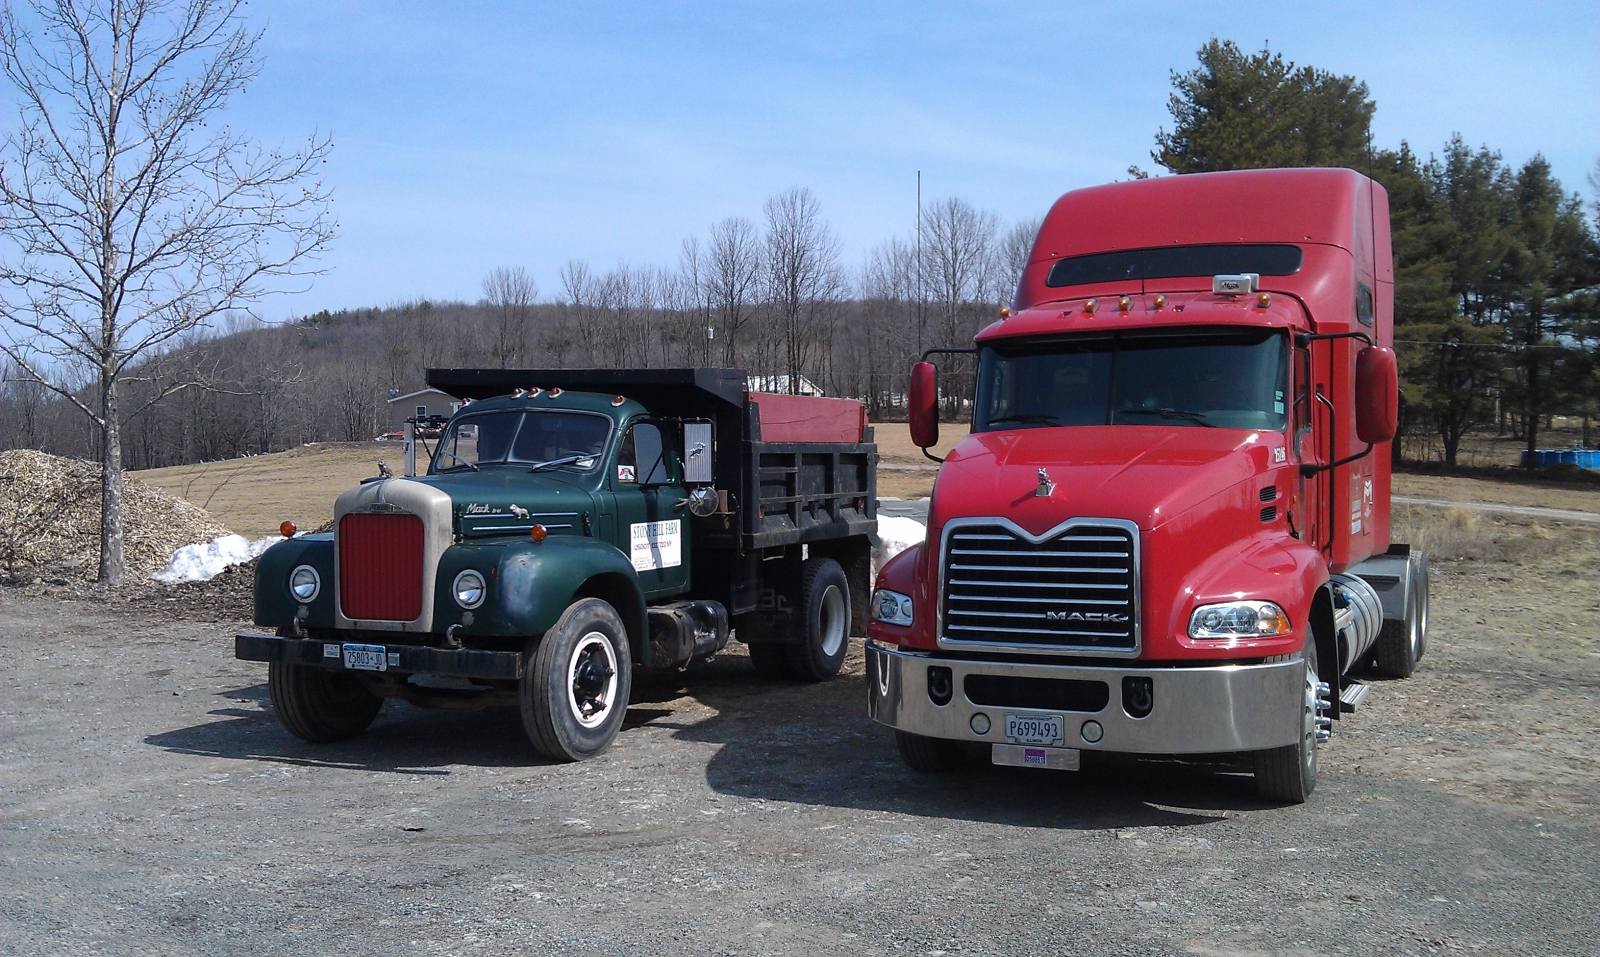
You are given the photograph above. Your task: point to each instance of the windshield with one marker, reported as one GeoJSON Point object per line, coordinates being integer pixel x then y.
{"type": "Point", "coordinates": [1232, 379]}
{"type": "Point", "coordinates": [516, 436]}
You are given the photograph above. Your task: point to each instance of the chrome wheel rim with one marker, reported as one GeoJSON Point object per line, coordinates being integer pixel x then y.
{"type": "Point", "coordinates": [832, 621]}
{"type": "Point", "coordinates": [592, 680]}
{"type": "Point", "coordinates": [1308, 739]}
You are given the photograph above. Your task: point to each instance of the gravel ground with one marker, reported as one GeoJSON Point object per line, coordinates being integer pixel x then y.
{"type": "Point", "coordinates": [152, 806]}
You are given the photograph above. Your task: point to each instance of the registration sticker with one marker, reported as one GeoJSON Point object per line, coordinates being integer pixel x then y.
{"type": "Point", "coordinates": [657, 545]}
{"type": "Point", "coordinates": [1023, 756]}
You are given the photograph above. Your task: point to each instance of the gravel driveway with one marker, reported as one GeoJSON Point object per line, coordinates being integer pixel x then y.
{"type": "Point", "coordinates": [152, 806]}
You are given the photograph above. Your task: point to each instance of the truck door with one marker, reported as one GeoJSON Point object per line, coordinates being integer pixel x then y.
{"type": "Point", "coordinates": [652, 522]}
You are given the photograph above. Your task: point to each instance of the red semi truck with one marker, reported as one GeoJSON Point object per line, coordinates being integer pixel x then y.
{"type": "Point", "coordinates": [1168, 530]}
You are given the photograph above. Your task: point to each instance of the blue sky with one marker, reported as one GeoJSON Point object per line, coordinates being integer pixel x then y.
{"type": "Point", "coordinates": [473, 136]}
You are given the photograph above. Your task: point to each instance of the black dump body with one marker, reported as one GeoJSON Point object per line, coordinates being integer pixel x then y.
{"type": "Point", "coordinates": [780, 494]}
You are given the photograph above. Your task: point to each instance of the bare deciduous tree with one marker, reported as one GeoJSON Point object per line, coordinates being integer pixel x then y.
{"type": "Point", "coordinates": [803, 279]}
{"type": "Point", "coordinates": [510, 294]}
{"type": "Point", "coordinates": [130, 217]}
{"type": "Point", "coordinates": [1016, 245]}
{"type": "Point", "coordinates": [733, 276]}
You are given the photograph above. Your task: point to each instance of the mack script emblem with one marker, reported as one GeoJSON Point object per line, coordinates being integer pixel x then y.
{"type": "Point", "coordinates": [1110, 616]}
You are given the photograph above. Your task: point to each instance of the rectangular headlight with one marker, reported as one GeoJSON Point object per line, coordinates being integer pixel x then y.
{"type": "Point", "coordinates": [891, 607]}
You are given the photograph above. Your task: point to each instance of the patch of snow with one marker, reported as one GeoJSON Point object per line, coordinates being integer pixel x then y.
{"type": "Point", "coordinates": [895, 535]}
{"type": "Point", "coordinates": [203, 561]}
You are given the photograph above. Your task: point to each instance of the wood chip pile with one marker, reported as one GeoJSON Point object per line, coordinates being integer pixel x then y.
{"type": "Point", "coordinates": [50, 519]}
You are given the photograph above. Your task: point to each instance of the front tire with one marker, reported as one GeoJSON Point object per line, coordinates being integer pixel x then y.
{"type": "Point", "coordinates": [1289, 773]}
{"type": "Point", "coordinates": [576, 682]}
{"type": "Point", "coordinates": [318, 705]}
{"type": "Point", "coordinates": [929, 755]}
{"type": "Point", "coordinates": [825, 622]}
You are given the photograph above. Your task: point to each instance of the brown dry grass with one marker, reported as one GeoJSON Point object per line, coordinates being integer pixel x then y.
{"type": "Point", "coordinates": [253, 495]}
{"type": "Point", "coordinates": [1462, 534]}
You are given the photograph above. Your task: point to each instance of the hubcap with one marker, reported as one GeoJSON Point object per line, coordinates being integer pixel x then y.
{"type": "Point", "coordinates": [592, 680]}
{"type": "Point", "coordinates": [1313, 711]}
{"type": "Point", "coordinates": [832, 621]}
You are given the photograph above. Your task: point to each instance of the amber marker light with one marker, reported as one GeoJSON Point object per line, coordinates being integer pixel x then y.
{"type": "Point", "coordinates": [555, 391]}
{"type": "Point", "coordinates": [1005, 312]}
{"type": "Point", "coordinates": [1161, 302]}
{"type": "Point", "coordinates": [1124, 303]}
{"type": "Point", "coordinates": [616, 400]}
{"type": "Point", "coordinates": [538, 533]}
{"type": "Point", "coordinates": [287, 529]}
{"type": "Point", "coordinates": [1264, 300]}
{"type": "Point", "coordinates": [1090, 306]}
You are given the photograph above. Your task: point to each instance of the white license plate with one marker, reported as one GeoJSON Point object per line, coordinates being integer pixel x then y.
{"type": "Point", "coordinates": [366, 657]}
{"type": "Point", "coordinates": [1024, 728]}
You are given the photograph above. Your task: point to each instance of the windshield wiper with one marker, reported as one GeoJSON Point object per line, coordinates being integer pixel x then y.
{"type": "Point", "coordinates": [1196, 417]}
{"type": "Point", "coordinates": [471, 465]}
{"type": "Point", "coordinates": [567, 460]}
{"type": "Point", "coordinates": [1033, 417]}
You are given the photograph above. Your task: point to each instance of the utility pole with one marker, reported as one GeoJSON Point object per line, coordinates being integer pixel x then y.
{"type": "Point", "coordinates": [921, 319]}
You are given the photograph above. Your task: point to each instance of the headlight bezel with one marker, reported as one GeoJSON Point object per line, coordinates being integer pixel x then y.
{"type": "Point", "coordinates": [316, 584]}
{"type": "Point", "coordinates": [904, 611]}
{"type": "Point", "coordinates": [1243, 619]}
{"type": "Point", "coordinates": [482, 587]}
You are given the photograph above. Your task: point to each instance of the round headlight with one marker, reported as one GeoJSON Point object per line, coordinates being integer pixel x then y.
{"type": "Point", "coordinates": [304, 583]}
{"type": "Point", "coordinates": [468, 589]}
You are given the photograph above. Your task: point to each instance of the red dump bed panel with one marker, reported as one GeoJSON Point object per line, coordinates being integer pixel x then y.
{"type": "Point", "coordinates": [809, 418]}
{"type": "Point", "coordinates": [380, 567]}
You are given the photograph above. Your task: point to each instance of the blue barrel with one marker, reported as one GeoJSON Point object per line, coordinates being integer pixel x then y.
{"type": "Point", "coordinates": [1583, 458]}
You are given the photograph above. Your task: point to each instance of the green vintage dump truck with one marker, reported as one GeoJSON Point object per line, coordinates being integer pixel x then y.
{"type": "Point", "coordinates": [572, 529]}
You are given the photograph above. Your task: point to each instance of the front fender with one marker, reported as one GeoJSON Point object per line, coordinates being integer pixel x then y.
{"type": "Point", "coordinates": [903, 573]}
{"type": "Point", "coordinates": [1268, 566]}
{"type": "Point", "coordinates": [274, 606]}
{"type": "Point", "coordinates": [530, 583]}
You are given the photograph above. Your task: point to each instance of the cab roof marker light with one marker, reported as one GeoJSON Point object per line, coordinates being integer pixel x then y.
{"type": "Point", "coordinates": [555, 391]}
{"type": "Point", "coordinates": [1264, 300]}
{"type": "Point", "coordinates": [1124, 303]}
{"type": "Point", "coordinates": [617, 400]}
{"type": "Point", "coordinates": [1090, 306]}
{"type": "Point", "coordinates": [1161, 302]}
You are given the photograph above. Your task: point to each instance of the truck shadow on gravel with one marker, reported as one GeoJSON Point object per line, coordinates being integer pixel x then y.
{"type": "Point", "coordinates": [813, 744]}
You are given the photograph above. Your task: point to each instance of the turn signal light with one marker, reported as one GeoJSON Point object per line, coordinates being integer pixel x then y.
{"type": "Point", "coordinates": [287, 529]}
{"type": "Point", "coordinates": [538, 533]}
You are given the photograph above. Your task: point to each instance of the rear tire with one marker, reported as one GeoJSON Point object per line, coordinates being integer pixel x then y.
{"type": "Point", "coordinates": [576, 681]}
{"type": "Point", "coordinates": [1289, 773]}
{"type": "Point", "coordinates": [1401, 643]}
{"type": "Point", "coordinates": [929, 755]}
{"type": "Point", "coordinates": [770, 661]}
{"type": "Point", "coordinates": [318, 705]}
{"type": "Point", "coordinates": [824, 622]}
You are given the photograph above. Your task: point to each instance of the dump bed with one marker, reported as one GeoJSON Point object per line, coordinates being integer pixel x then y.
{"type": "Point", "coordinates": [796, 469]}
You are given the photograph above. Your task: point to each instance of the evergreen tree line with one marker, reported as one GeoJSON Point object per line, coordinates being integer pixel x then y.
{"type": "Point", "coordinates": [1498, 275]}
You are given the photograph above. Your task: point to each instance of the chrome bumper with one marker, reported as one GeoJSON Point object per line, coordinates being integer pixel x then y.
{"type": "Point", "coordinates": [1202, 710]}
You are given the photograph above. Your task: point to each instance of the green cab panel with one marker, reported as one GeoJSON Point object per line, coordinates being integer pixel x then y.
{"type": "Point", "coordinates": [529, 583]}
{"type": "Point", "coordinates": [275, 606]}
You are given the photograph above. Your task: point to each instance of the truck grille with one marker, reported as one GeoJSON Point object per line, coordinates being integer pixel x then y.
{"type": "Point", "coordinates": [1077, 588]}
{"type": "Point", "coordinates": [380, 567]}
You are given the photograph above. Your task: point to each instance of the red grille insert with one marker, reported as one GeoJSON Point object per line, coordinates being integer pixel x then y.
{"type": "Point", "coordinates": [380, 567]}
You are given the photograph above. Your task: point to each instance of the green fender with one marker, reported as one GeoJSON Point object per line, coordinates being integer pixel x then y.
{"type": "Point", "coordinates": [532, 583]}
{"type": "Point", "coordinates": [275, 607]}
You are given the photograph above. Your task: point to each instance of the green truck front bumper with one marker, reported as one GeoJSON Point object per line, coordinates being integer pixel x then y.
{"type": "Point", "coordinates": [407, 659]}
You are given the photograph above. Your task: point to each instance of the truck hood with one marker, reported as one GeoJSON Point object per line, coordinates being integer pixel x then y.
{"type": "Point", "coordinates": [1144, 474]}
{"type": "Point", "coordinates": [512, 499]}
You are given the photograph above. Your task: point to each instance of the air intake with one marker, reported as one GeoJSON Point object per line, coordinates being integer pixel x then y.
{"type": "Point", "coordinates": [1269, 514]}
{"type": "Point", "coordinates": [1269, 494]}
{"type": "Point", "coordinates": [380, 567]}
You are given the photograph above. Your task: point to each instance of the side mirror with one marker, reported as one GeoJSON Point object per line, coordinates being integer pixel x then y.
{"type": "Point", "coordinates": [924, 405]}
{"type": "Point", "coordinates": [1377, 394]}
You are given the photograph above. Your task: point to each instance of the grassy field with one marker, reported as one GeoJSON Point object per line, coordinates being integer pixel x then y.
{"type": "Point", "coordinates": [252, 495]}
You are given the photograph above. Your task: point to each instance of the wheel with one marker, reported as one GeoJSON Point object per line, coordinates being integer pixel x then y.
{"type": "Point", "coordinates": [921, 753]}
{"type": "Point", "coordinates": [770, 661]}
{"type": "Point", "coordinates": [1289, 773]}
{"type": "Point", "coordinates": [1401, 643]}
{"type": "Point", "coordinates": [825, 622]}
{"type": "Point", "coordinates": [318, 705]}
{"type": "Point", "coordinates": [575, 686]}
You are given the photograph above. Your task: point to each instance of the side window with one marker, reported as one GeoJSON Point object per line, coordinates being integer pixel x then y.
{"type": "Point", "coordinates": [1363, 304]}
{"type": "Point", "coordinates": [642, 457]}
